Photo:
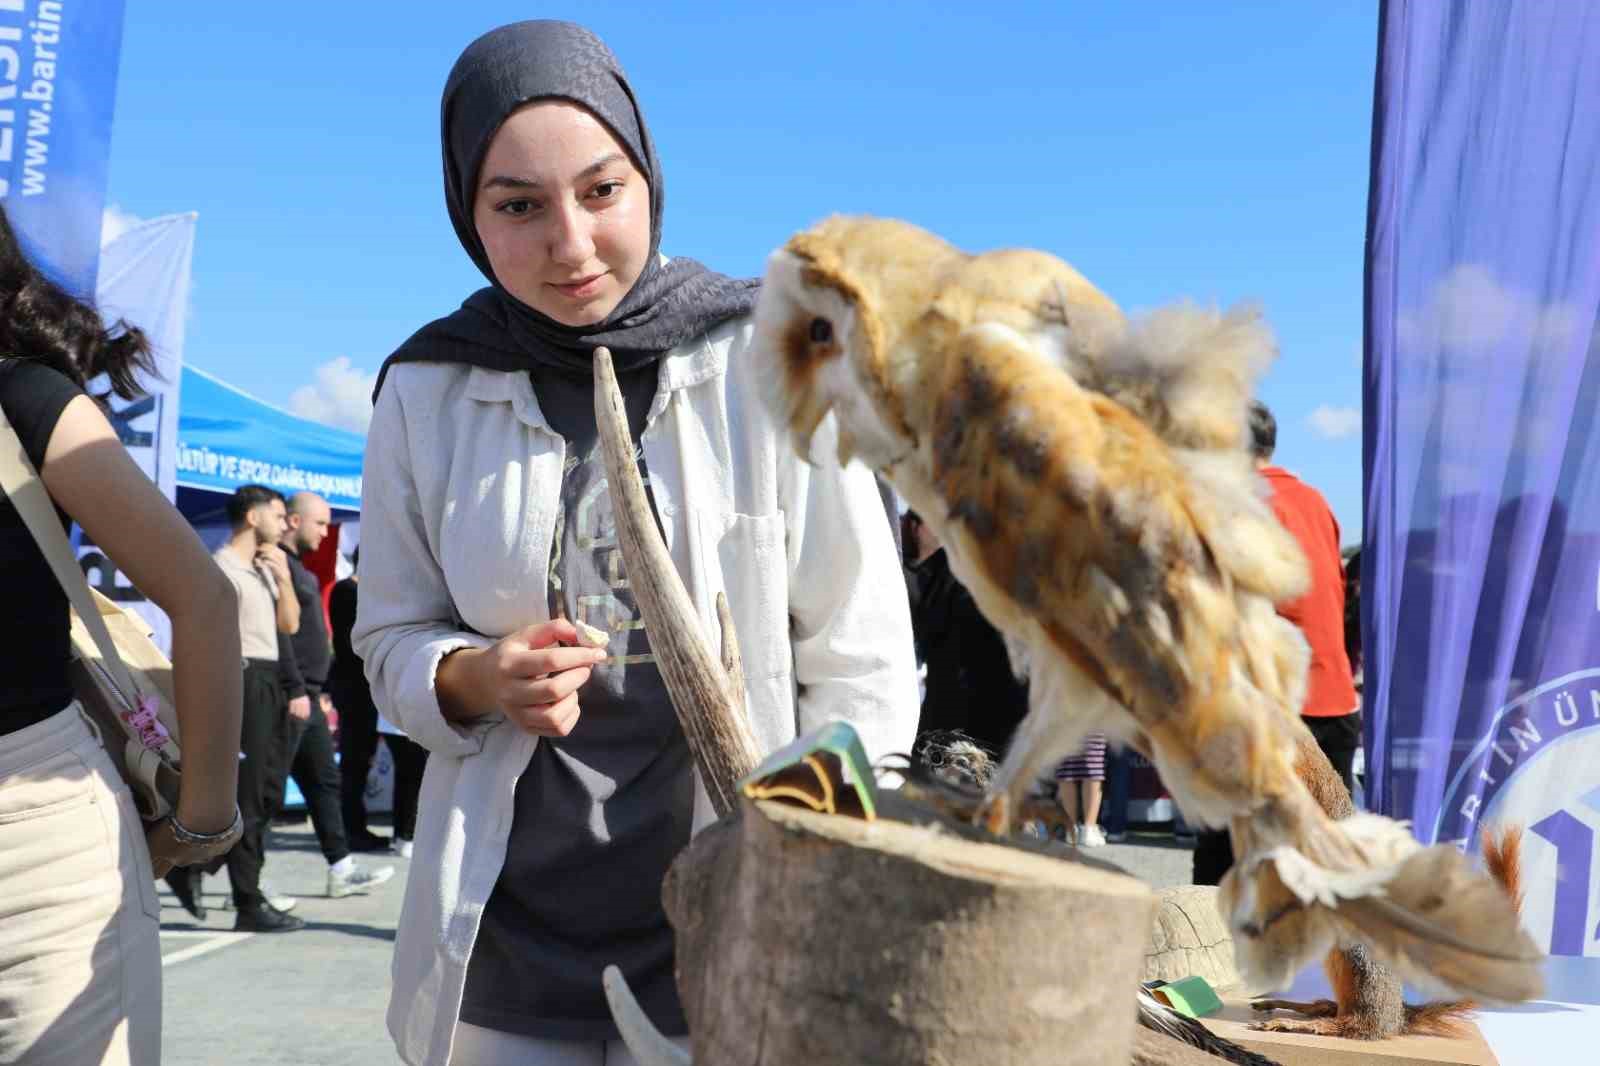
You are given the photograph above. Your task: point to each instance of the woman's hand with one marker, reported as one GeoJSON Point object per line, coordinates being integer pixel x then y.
{"type": "Point", "coordinates": [533, 676]}
{"type": "Point", "coordinates": [170, 847]}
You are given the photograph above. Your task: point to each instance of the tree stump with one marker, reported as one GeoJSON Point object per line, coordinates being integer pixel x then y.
{"type": "Point", "coordinates": [805, 939]}
{"type": "Point", "coordinates": [1189, 937]}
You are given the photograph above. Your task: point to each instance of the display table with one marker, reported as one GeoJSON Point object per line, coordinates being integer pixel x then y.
{"type": "Point", "coordinates": [1565, 1027]}
{"type": "Point", "coordinates": [1294, 1049]}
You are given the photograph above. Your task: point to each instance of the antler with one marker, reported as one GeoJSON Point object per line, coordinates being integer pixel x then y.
{"type": "Point", "coordinates": [639, 1033]}
{"type": "Point", "coordinates": [708, 695]}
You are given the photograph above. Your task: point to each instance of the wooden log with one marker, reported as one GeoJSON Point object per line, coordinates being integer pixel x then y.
{"type": "Point", "coordinates": [1188, 937]}
{"type": "Point", "coordinates": [806, 938]}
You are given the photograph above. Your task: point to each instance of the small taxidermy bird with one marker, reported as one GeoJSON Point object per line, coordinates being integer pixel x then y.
{"type": "Point", "coordinates": [1089, 479]}
{"type": "Point", "coordinates": [1368, 1001]}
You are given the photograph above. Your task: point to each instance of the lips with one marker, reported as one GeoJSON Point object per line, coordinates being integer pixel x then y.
{"type": "Point", "coordinates": [579, 289]}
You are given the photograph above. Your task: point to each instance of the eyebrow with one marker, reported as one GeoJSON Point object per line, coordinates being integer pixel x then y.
{"type": "Point", "coordinates": [511, 181]}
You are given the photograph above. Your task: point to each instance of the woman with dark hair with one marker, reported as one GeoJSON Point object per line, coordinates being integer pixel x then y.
{"type": "Point", "coordinates": [80, 958]}
{"type": "Point", "coordinates": [487, 531]}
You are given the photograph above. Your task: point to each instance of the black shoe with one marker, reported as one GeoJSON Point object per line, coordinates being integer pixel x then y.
{"type": "Point", "coordinates": [182, 882]}
{"type": "Point", "coordinates": [266, 919]}
{"type": "Point", "coordinates": [369, 842]}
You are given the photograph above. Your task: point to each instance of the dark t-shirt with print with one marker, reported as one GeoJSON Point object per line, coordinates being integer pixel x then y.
{"type": "Point", "coordinates": [600, 813]}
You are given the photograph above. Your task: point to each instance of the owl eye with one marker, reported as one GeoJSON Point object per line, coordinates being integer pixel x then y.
{"type": "Point", "coordinates": [821, 331]}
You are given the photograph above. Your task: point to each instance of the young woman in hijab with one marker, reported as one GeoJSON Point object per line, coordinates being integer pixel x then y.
{"type": "Point", "coordinates": [80, 943]}
{"type": "Point", "coordinates": [559, 785]}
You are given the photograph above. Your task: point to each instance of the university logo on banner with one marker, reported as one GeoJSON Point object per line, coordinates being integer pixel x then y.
{"type": "Point", "coordinates": [58, 78]}
{"type": "Point", "coordinates": [1535, 767]}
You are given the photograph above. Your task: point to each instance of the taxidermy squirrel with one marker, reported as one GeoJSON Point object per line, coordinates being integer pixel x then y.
{"type": "Point", "coordinates": [1367, 1003]}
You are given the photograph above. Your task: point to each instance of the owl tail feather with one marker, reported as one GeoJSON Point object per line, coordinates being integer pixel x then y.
{"type": "Point", "coordinates": [1428, 913]}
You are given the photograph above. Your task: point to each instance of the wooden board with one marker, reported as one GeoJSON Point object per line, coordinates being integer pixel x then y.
{"type": "Point", "coordinates": [1294, 1049]}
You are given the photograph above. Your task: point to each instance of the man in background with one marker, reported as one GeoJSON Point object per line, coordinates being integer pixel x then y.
{"type": "Point", "coordinates": [259, 570]}
{"type": "Point", "coordinates": [311, 760]}
{"type": "Point", "coordinates": [1332, 710]}
{"type": "Point", "coordinates": [358, 716]}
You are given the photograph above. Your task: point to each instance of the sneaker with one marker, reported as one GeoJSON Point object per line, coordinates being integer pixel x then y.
{"type": "Point", "coordinates": [358, 879]}
{"type": "Point", "coordinates": [1091, 836]}
{"type": "Point", "coordinates": [1116, 838]}
{"type": "Point", "coordinates": [278, 901]}
{"type": "Point", "coordinates": [266, 919]}
{"type": "Point", "coordinates": [402, 848]}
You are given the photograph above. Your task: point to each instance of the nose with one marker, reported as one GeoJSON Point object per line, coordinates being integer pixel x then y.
{"type": "Point", "coordinates": [571, 242]}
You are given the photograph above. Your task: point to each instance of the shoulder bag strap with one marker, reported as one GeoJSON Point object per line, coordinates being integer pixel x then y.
{"type": "Point", "coordinates": [25, 490]}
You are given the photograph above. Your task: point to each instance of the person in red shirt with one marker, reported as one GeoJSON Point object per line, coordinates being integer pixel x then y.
{"type": "Point", "coordinates": [1332, 710]}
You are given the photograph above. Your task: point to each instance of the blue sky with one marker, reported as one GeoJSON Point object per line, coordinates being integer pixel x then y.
{"type": "Point", "coordinates": [1167, 150]}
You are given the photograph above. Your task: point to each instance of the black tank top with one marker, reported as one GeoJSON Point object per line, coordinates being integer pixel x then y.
{"type": "Point", "coordinates": [34, 641]}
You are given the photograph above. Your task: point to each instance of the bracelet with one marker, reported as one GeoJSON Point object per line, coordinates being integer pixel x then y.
{"type": "Point", "coordinates": [193, 839]}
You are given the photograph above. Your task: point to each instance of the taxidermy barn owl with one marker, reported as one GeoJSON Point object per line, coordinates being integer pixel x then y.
{"type": "Point", "coordinates": [1089, 478]}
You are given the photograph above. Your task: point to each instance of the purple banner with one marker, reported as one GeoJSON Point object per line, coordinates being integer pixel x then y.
{"type": "Point", "coordinates": [1481, 574]}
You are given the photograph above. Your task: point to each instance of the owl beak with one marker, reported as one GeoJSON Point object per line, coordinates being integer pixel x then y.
{"type": "Point", "coordinates": [808, 415]}
{"type": "Point", "coordinates": [847, 447]}
{"type": "Point", "coordinates": [707, 694]}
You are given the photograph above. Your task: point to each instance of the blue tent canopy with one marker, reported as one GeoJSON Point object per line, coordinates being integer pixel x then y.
{"type": "Point", "coordinates": [227, 438]}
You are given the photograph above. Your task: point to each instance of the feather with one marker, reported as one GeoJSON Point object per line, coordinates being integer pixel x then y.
{"type": "Point", "coordinates": [1190, 372]}
{"type": "Point", "coordinates": [1413, 920]}
{"type": "Point", "coordinates": [1157, 1016]}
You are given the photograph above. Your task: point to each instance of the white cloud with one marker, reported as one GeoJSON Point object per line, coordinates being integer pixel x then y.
{"type": "Point", "coordinates": [1334, 422]}
{"type": "Point", "coordinates": [1469, 312]}
{"type": "Point", "coordinates": [340, 395]}
{"type": "Point", "coordinates": [114, 222]}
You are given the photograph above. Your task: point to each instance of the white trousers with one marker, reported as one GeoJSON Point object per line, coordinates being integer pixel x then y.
{"type": "Point", "coordinates": [80, 943]}
{"type": "Point", "coordinates": [477, 1046]}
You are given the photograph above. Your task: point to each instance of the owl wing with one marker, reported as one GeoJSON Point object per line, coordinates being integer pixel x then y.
{"type": "Point", "coordinates": [1072, 519]}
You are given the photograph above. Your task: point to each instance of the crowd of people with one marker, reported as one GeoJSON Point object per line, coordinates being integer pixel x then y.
{"type": "Point", "coordinates": [530, 768]}
{"type": "Point", "coordinates": [288, 667]}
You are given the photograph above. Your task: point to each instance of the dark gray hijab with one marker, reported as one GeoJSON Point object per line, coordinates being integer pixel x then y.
{"type": "Point", "coordinates": [498, 73]}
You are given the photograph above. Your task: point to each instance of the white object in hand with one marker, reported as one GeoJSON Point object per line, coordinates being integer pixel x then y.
{"type": "Point", "coordinates": [590, 637]}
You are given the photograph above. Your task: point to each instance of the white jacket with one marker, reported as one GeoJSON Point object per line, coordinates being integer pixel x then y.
{"type": "Point", "coordinates": [462, 482]}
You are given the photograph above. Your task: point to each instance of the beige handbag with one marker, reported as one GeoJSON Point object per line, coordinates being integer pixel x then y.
{"type": "Point", "coordinates": [118, 674]}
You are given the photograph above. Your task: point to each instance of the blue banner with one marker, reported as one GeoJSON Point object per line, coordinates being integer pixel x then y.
{"type": "Point", "coordinates": [227, 438]}
{"type": "Point", "coordinates": [1480, 578]}
{"type": "Point", "coordinates": [58, 81]}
